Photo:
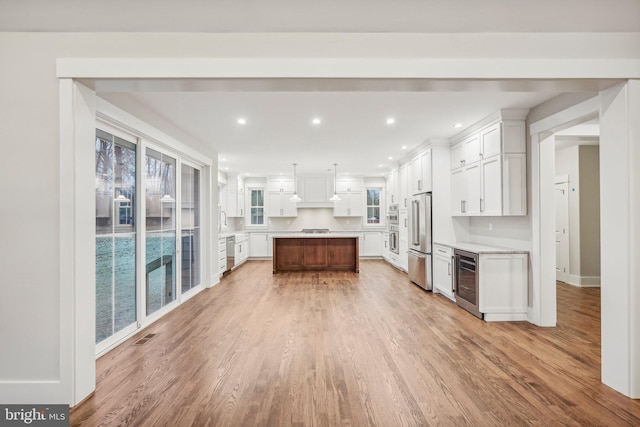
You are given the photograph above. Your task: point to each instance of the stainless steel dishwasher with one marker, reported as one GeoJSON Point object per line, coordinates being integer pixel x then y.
{"type": "Point", "coordinates": [231, 252]}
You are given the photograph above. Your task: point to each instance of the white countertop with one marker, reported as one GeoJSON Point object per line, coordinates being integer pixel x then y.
{"type": "Point", "coordinates": [330, 235]}
{"type": "Point", "coordinates": [481, 248]}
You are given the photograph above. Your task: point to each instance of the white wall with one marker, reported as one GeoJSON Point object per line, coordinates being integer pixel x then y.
{"type": "Point", "coordinates": [620, 237]}
{"type": "Point", "coordinates": [590, 212]}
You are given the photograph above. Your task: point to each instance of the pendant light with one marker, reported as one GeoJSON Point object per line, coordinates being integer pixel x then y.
{"type": "Point", "coordinates": [335, 197]}
{"type": "Point", "coordinates": [295, 198]}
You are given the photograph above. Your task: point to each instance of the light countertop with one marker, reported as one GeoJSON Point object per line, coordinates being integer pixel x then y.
{"type": "Point", "coordinates": [330, 235]}
{"type": "Point", "coordinates": [481, 248]}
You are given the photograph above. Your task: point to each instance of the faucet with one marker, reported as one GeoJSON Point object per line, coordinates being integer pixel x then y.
{"type": "Point", "coordinates": [220, 220]}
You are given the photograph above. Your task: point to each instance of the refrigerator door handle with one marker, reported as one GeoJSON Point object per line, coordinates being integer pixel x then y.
{"type": "Point", "coordinates": [415, 223]}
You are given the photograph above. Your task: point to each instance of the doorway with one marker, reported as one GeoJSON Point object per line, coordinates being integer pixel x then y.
{"type": "Point", "coordinates": [562, 227]}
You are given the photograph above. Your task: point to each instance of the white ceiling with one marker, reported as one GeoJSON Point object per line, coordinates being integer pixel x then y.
{"type": "Point", "coordinates": [353, 132]}
{"type": "Point", "coordinates": [406, 16]}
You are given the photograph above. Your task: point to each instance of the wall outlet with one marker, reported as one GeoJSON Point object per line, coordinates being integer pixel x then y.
{"type": "Point", "coordinates": [490, 227]}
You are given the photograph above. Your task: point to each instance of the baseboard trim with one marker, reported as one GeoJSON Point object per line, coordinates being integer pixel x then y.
{"type": "Point", "coordinates": [584, 281]}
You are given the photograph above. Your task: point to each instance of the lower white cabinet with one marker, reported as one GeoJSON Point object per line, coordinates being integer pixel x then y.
{"type": "Point", "coordinates": [371, 244]}
{"type": "Point", "coordinates": [222, 255]}
{"type": "Point", "coordinates": [258, 245]}
{"type": "Point", "coordinates": [242, 249]}
{"type": "Point", "coordinates": [503, 285]}
{"type": "Point", "coordinates": [443, 270]}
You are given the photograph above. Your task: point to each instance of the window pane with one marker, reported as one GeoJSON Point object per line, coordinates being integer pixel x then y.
{"type": "Point", "coordinates": [260, 198]}
{"type": "Point", "coordinates": [190, 235]}
{"type": "Point", "coordinates": [160, 240]}
{"type": "Point", "coordinates": [125, 281]}
{"type": "Point", "coordinates": [115, 183]}
{"type": "Point", "coordinates": [373, 215]}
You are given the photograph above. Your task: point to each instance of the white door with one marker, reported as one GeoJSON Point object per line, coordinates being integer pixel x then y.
{"type": "Point", "coordinates": [562, 231]}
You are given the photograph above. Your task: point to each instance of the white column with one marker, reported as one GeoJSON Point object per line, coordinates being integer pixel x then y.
{"type": "Point", "coordinates": [620, 236]}
{"type": "Point", "coordinates": [77, 239]}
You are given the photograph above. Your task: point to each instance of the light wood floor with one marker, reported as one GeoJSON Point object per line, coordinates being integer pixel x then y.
{"type": "Point", "coordinates": [323, 349]}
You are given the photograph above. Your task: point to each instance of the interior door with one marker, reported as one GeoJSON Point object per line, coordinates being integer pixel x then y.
{"type": "Point", "coordinates": [562, 231]}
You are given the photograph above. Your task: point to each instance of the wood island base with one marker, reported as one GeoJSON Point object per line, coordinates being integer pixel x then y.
{"type": "Point", "coordinates": [315, 254]}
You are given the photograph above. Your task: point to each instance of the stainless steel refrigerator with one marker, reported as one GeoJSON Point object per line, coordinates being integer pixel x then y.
{"type": "Point", "coordinates": [420, 241]}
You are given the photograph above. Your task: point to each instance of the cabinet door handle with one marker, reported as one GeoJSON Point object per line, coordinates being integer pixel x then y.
{"type": "Point", "coordinates": [481, 205]}
{"type": "Point", "coordinates": [449, 269]}
{"type": "Point", "coordinates": [405, 223]}
{"type": "Point", "coordinates": [464, 206]}
{"type": "Point", "coordinates": [405, 202]}
{"type": "Point", "coordinates": [419, 184]}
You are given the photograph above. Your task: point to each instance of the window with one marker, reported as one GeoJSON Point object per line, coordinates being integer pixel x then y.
{"type": "Point", "coordinates": [257, 207]}
{"type": "Point", "coordinates": [373, 205]}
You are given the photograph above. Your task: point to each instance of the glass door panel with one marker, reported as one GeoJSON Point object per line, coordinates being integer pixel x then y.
{"type": "Point", "coordinates": [115, 182]}
{"type": "Point", "coordinates": [160, 230]}
{"type": "Point", "coordinates": [190, 227]}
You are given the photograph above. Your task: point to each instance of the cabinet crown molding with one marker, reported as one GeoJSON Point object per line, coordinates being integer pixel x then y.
{"type": "Point", "coordinates": [502, 115]}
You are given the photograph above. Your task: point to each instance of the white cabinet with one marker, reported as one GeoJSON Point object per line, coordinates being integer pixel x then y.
{"type": "Point", "coordinates": [241, 249]}
{"type": "Point", "coordinates": [351, 193]}
{"type": "Point", "coordinates": [488, 176]}
{"type": "Point", "coordinates": [235, 196]}
{"type": "Point", "coordinates": [403, 240]}
{"type": "Point", "coordinates": [392, 188]}
{"type": "Point", "coordinates": [443, 270]}
{"type": "Point", "coordinates": [279, 205]}
{"type": "Point", "coordinates": [465, 190]}
{"type": "Point", "coordinates": [280, 184]}
{"type": "Point", "coordinates": [258, 245]}
{"type": "Point", "coordinates": [420, 179]}
{"type": "Point", "coordinates": [349, 184]}
{"type": "Point", "coordinates": [503, 284]}
{"type": "Point", "coordinates": [371, 244]}
{"type": "Point", "coordinates": [222, 255]}
{"type": "Point", "coordinates": [350, 204]}
{"type": "Point", "coordinates": [403, 186]}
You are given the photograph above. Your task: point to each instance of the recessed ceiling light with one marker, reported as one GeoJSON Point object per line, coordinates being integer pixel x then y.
{"type": "Point", "coordinates": [226, 168]}
{"type": "Point", "coordinates": [457, 125]}
{"type": "Point", "coordinates": [316, 121]}
{"type": "Point", "coordinates": [404, 147]}
{"type": "Point", "coordinates": [242, 121]}
{"type": "Point", "coordinates": [379, 166]}
{"type": "Point", "coordinates": [390, 158]}
{"type": "Point", "coordinates": [390, 120]}
{"type": "Point", "coordinates": [223, 159]}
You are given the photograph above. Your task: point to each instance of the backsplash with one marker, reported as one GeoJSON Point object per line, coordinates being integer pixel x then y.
{"type": "Point", "coordinates": [315, 218]}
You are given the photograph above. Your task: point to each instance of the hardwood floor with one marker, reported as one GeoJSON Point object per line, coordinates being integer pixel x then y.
{"type": "Point", "coordinates": [339, 348]}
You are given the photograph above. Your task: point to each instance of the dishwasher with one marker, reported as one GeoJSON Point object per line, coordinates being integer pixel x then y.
{"type": "Point", "coordinates": [231, 252]}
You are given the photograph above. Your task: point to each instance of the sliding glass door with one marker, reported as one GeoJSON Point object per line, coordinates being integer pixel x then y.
{"type": "Point", "coordinates": [138, 270]}
{"type": "Point", "coordinates": [115, 183]}
{"type": "Point", "coordinates": [190, 227]}
{"type": "Point", "coordinates": [160, 241]}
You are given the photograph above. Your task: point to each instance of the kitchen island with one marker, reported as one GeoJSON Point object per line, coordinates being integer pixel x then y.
{"type": "Point", "coordinates": [316, 252]}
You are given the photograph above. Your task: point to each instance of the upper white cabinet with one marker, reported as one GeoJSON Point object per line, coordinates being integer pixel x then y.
{"type": "Point", "coordinates": [488, 168]}
{"type": "Point", "coordinates": [351, 193]}
{"type": "Point", "coordinates": [279, 191]}
{"type": "Point", "coordinates": [403, 186]}
{"type": "Point", "coordinates": [235, 196]}
{"type": "Point", "coordinates": [420, 170]}
{"type": "Point", "coordinates": [392, 188]}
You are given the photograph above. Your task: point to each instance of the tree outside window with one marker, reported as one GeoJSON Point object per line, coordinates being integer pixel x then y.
{"type": "Point", "coordinates": [257, 207]}
{"type": "Point", "coordinates": [373, 205]}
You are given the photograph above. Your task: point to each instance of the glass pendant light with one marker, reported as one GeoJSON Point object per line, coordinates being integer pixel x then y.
{"type": "Point", "coordinates": [335, 197]}
{"type": "Point", "coordinates": [295, 198]}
